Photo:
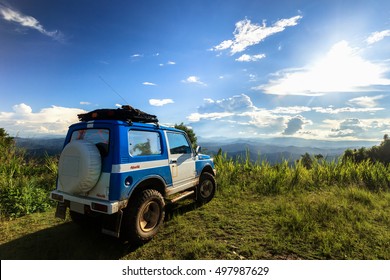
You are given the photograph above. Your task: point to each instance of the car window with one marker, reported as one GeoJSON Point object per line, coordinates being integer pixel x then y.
{"type": "Point", "coordinates": [144, 143]}
{"type": "Point", "coordinates": [178, 143]}
{"type": "Point", "coordinates": [99, 137]}
{"type": "Point", "coordinates": [92, 135]}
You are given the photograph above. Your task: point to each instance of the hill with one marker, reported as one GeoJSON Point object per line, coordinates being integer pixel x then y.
{"type": "Point", "coordinates": [38, 147]}
{"type": "Point", "coordinates": [272, 150]}
{"type": "Point", "coordinates": [276, 150]}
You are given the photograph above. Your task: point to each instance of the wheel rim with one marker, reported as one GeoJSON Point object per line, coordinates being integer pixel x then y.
{"type": "Point", "coordinates": [206, 188]}
{"type": "Point", "coordinates": [150, 216]}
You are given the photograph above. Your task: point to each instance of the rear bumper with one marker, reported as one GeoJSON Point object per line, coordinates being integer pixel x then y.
{"type": "Point", "coordinates": [100, 206]}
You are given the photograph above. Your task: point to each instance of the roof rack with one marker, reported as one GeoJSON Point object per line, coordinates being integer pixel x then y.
{"type": "Point", "coordinates": [126, 113]}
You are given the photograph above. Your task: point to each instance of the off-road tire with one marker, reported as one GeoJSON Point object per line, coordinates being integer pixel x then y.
{"type": "Point", "coordinates": [205, 191]}
{"type": "Point", "coordinates": [143, 216]}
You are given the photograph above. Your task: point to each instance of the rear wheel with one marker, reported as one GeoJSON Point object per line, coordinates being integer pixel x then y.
{"type": "Point", "coordinates": [143, 216]}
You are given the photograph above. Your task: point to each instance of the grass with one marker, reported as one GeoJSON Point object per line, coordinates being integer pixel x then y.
{"type": "Point", "coordinates": [341, 223]}
{"type": "Point", "coordinates": [332, 210]}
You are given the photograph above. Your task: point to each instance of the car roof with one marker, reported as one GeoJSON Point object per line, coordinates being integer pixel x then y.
{"type": "Point", "coordinates": [91, 124]}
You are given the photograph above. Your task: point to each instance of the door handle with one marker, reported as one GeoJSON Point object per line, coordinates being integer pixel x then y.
{"type": "Point", "coordinates": [173, 161]}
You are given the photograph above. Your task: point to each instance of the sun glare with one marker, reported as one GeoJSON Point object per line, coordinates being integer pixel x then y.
{"type": "Point", "coordinates": [342, 69]}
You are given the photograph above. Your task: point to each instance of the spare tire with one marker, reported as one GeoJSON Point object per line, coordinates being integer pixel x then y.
{"type": "Point", "coordinates": [79, 167]}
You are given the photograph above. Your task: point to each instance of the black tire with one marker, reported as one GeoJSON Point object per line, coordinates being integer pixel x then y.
{"type": "Point", "coordinates": [205, 191]}
{"type": "Point", "coordinates": [143, 216]}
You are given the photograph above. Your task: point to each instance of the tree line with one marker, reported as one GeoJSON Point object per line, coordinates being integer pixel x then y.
{"type": "Point", "coordinates": [380, 153]}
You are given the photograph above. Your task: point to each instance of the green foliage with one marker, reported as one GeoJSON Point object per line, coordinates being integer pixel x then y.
{"type": "Point", "coordinates": [379, 153]}
{"type": "Point", "coordinates": [5, 139]}
{"type": "Point", "coordinates": [190, 132]}
{"type": "Point", "coordinates": [24, 184]}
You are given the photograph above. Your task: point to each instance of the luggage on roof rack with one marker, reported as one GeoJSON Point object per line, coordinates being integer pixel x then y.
{"type": "Point", "coordinates": [126, 113]}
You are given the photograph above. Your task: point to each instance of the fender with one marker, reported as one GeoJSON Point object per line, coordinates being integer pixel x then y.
{"type": "Point", "coordinates": [152, 182]}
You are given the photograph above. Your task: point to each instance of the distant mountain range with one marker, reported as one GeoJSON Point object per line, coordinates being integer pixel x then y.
{"type": "Point", "coordinates": [273, 150]}
{"type": "Point", "coordinates": [278, 149]}
{"type": "Point", "coordinates": [41, 146]}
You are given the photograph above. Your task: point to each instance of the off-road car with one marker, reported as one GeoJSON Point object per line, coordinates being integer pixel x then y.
{"type": "Point", "coordinates": [122, 167]}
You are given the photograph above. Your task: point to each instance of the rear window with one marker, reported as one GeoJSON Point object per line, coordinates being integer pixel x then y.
{"type": "Point", "coordinates": [92, 135]}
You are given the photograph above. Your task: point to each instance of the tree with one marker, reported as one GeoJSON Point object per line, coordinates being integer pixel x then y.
{"type": "Point", "coordinates": [5, 139]}
{"type": "Point", "coordinates": [380, 153]}
{"type": "Point", "coordinates": [190, 132]}
{"type": "Point", "coordinates": [306, 161]}
{"type": "Point", "coordinates": [348, 155]}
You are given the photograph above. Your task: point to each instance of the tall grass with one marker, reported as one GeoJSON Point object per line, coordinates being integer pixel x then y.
{"type": "Point", "coordinates": [329, 210]}
{"type": "Point", "coordinates": [24, 183]}
{"type": "Point", "coordinates": [266, 179]}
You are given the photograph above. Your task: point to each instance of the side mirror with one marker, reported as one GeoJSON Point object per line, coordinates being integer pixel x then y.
{"type": "Point", "coordinates": [198, 149]}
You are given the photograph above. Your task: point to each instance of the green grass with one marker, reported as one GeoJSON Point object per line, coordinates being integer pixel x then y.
{"type": "Point", "coordinates": [336, 210]}
{"type": "Point", "coordinates": [341, 223]}
{"type": "Point", "coordinates": [24, 182]}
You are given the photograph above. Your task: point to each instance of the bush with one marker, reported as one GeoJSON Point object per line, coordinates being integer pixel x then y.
{"type": "Point", "coordinates": [24, 184]}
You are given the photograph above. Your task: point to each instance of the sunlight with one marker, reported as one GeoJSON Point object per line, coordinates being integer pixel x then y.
{"type": "Point", "coordinates": [340, 70]}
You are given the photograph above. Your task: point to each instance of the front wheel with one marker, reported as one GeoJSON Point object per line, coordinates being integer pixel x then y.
{"type": "Point", "coordinates": [205, 191]}
{"type": "Point", "coordinates": [143, 216]}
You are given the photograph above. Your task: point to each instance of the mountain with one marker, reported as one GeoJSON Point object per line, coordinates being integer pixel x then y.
{"type": "Point", "coordinates": [273, 150]}
{"type": "Point", "coordinates": [277, 149]}
{"type": "Point", "coordinates": [40, 146]}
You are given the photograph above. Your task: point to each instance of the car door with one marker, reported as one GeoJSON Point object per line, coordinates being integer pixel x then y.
{"type": "Point", "coordinates": [181, 160]}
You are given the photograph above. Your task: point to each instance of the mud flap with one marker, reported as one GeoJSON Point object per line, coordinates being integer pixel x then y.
{"type": "Point", "coordinates": [112, 224]}
{"type": "Point", "coordinates": [61, 210]}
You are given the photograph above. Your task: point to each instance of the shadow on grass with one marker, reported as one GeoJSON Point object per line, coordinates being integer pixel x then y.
{"type": "Point", "coordinates": [70, 241]}
{"type": "Point", "coordinates": [67, 241]}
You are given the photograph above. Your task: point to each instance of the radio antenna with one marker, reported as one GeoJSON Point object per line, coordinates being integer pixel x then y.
{"type": "Point", "coordinates": [113, 89]}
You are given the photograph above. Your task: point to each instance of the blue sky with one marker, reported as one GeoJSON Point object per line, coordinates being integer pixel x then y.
{"type": "Point", "coordinates": [307, 69]}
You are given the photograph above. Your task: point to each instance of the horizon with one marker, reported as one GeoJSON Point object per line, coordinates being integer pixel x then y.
{"type": "Point", "coordinates": [235, 69]}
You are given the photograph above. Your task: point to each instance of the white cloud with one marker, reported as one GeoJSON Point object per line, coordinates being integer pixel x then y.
{"type": "Point", "coordinates": [348, 128]}
{"type": "Point", "coordinates": [247, 34]}
{"type": "Point", "coordinates": [340, 70]}
{"type": "Point", "coordinates": [149, 84]}
{"type": "Point", "coordinates": [295, 124]}
{"type": "Point", "coordinates": [377, 36]}
{"type": "Point", "coordinates": [237, 104]}
{"type": "Point", "coordinates": [12, 15]}
{"type": "Point", "coordinates": [137, 55]}
{"type": "Point", "coordinates": [54, 120]}
{"type": "Point", "coordinates": [248, 58]}
{"type": "Point", "coordinates": [366, 101]}
{"type": "Point", "coordinates": [332, 111]}
{"type": "Point", "coordinates": [85, 103]}
{"type": "Point", "coordinates": [195, 117]}
{"type": "Point", "coordinates": [160, 102]}
{"type": "Point", "coordinates": [168, 63]}
{"type": "Point", "coordinates": [291, 110]}
{"type": "Point", "coordinates": [238, 113]}
{"type": "Point", "coordinates": [265, 120]}
{"type": "Point", "coordinates": [193, 80]}
{"type": "Point", "coordinates": [22, 109]}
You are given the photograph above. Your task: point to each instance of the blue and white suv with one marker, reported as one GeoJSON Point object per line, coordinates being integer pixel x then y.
{"type": "Point", "coordinates": [119, 167]}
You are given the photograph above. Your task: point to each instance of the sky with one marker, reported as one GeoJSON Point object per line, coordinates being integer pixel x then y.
{"type": "Point", "coordinates": [232, 68]}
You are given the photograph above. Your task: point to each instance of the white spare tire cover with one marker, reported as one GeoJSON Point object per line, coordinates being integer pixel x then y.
{"type": "Point", "coordinates": [79, 167]}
